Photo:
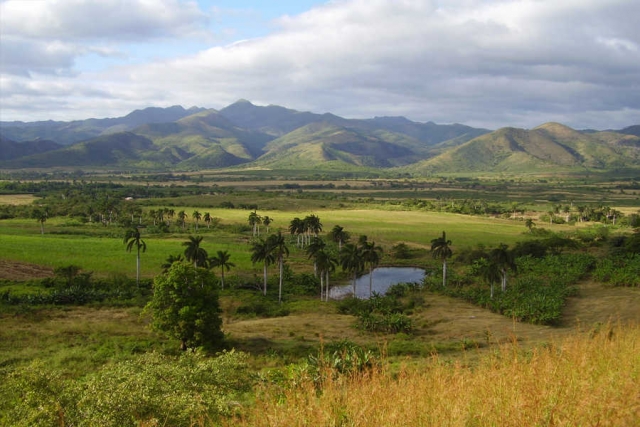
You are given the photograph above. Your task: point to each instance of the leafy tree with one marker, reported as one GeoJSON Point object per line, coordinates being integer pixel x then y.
{"type": "Point", "coordinates": [488, 270]}
{"type": "Point", "coordinates": [441, 249]}
{"type": "Point", "coordinates": [221, 259]}
{"type": "Point", "coordinates": [193, 252]}
{"type": "Point", "coordinates": [339, 235]}
{"type": "Point", "coordinates": [131, 239]}
{"type": "Point", "coordinates": [261, 252]}
{"type": "Point", "coordinates": [185, 305]}
{"type": "Point", "coordinates": [68, 272]}
{"type": "Point", "coordinates": [169, 262]}
{"type": "Point", "coordinates": [280, 250]}
{"type": "Point", "coordinates": [351, 261]}
{"type": "Point", "coordinates": [371, 254]}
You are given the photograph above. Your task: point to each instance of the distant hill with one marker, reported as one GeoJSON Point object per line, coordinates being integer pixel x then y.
{"type": "Point", "coordinates": [10, 150]}
{"type": "Point", "coordinates": [276, 137]}
{"type": "Point", "coordinates": [67, 133]}
{"type": "Point", "coordinates": [550, 147]}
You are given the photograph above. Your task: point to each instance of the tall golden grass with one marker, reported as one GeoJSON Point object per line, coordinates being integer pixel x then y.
{"type": "Point", "coordinates": [587, 379]}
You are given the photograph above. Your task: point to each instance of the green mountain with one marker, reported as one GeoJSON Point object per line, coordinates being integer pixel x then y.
{"type": "Point", "coordinates": [67, 133]}
{"type": "Point", "coordinates": [316, 144]}
{"type": "Point", "coordinates": [549, 147]}
{"type": "Point", "coordinates": [123, 149]}
{"type": "Point", "coordinates": [14, 150]}
{"type": "Point", "coordinates": [275, 137]}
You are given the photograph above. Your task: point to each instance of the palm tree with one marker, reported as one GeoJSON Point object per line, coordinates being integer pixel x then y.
{"type": "Point", "coordinates": [529, 224]}
{"type": "Point", "coordinates": [316, 245]}
{"type": "Point", "coordinates": [131, 239]}
{"type": "Point", "coordinates": [441, 249]}
{"type": "Point", "coordinates": [296, 226]}
{"type": "Point", "coordinates": [267, 221]}
{"type": "Point", "coordinates": [503, 258]}
{"type": "Point", "coordinates": [221, 259]}
{"type": "Point", "coordinates": [182, 216]}
{"type": "Point", "coordinates": [207, 219]}
{"type": "Point", "coordinates": [193, 252]}
{"type": "Point", "coordinates": [326, 264]}
{"type": "Point", "coordinates": [171, 259]}
{"type": "Point", "coordinates": [489, 270]}
{"type": "Point", "coordinates": [41, 216]}
{"type": "Point", "coordinates": [351, 261]}
{"type": "Point", "coordinates": [280, 251]}
{"type": "Point", "coordinates": [370, 256]}
{"type": "Point", "coordinates": [197, 216]}
{"type": "Point", "coordinates": [254, 222]}
{"type": "Point", "coordinates": [312, 225]}
{"type": "Point", "coordinates": [339, 235]}
{"type": "Point", "coordinates": [262, 252]}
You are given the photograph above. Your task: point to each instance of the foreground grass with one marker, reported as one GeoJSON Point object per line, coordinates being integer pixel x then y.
{"type": "Point", "coordinates": [585, 379]}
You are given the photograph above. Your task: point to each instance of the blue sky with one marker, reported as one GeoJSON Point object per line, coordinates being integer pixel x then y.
{"type": "Point", "coordinates": [488, 63]}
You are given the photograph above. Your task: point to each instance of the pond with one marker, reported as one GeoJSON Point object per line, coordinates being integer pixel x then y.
{"type": "Point", "coordinates": [383, 278]}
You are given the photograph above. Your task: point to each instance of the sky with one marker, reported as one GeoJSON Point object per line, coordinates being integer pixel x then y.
{"type": "Point", "coordinates": [483, 63]}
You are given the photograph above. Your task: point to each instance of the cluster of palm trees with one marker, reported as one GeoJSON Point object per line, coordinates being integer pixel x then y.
{"type": "Point", "coordinates": [165, 215]}
{"type": "Point", "coordinates": [193, 252]}
{"type": "Point", "coordinates": [256, 220]}
{"type": "Point", "coordinates": [271, 250]}
{"type": "Point", "coordinates": [305, 229]}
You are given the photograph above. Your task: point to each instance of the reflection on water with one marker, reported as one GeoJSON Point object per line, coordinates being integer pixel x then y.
{"type": "Point", "coordinates": [383, 278]}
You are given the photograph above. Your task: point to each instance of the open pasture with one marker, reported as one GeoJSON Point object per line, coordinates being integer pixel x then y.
{"type": "Point", "coordinates": [101, 249]}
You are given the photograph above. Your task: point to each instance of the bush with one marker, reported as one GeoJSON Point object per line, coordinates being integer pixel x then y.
{"type": "Point", "coordinates": [150, 389]}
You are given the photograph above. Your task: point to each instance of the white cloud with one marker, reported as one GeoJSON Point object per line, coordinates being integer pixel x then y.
{"type": "Point", "coordinates": [485, 63]}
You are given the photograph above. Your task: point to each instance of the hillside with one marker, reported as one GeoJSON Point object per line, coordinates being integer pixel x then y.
{"type": "Point", "coordinates": [275, 137]}
{"type": "Point", "coordinates": [547, 147]}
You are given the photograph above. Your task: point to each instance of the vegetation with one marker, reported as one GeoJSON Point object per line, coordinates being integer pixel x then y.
{"type": "Point", "coordinates": [72, 321]}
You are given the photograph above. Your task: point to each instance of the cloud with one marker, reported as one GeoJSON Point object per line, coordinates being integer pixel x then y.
{"type": "Point", "coordinates": [484, 63]}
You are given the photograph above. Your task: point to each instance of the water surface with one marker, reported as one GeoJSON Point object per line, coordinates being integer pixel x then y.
{"type": "Point", "coordinates": [383, 278]}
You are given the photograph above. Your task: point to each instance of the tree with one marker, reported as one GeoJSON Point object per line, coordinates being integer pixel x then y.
{"type": "Point", "coordinates": [193, 252]}
{"type": "Point", "coordinates": [371, 254]}
{"type": "Point", "coordinates": [267, 221]}
{"type": "Point", "coordinates": [351, 261]}
{"type": "Point", "coordinates": [296, 227]}
{"type": "Point", "coordinates": [488, 270]}
{"type": "Point", "coordinates": [316, 245]}
{"type": "Point", "coordinates": [529, 224]}
{"type": "Point", "coordinates": [254, 222]}
{"type": "Point", "coordinates": [207, 219]}
{"type": "Point", "coordinates": [182, 216]}
{"type": "Point", "coordinates": [326, 264]}
{"type": "Point", "coordinates": [185, 305]}
{"type": "Point", "coordinates": [169, 262]}
{"type": "Point", "coordinates": [197, 216]}
{"type": "Point", "coordinates": [312, 226]}
{"type": "Point", "coordinates": [221, 259]}
{"type": "Point", "coordinates": [41, 216]}
{"type": "Point", "coordinates": [280, 250]}
{"type": "Point", "coordinates": [131, 239]}
{"type": "Point", "coordinates": [339, 235]}
{"type": "Point", "coordinates": [503, 258]}
{"type": "Point", "coordinates": [441, 249]}
{"type": "Point", "coordinates": [261, 252]}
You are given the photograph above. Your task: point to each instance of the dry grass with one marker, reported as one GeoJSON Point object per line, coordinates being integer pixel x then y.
{"type": "Point", "coordinates": [17, 199]}
{"type": "Point", "coordinates": [584, 379]}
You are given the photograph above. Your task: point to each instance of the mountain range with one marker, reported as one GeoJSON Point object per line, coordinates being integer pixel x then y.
{"type": "Point", "coordinates": [275, 137]}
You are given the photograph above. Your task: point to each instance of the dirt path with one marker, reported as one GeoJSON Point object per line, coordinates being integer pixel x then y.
{"type": "Point", "coordinates": [14, 270]}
